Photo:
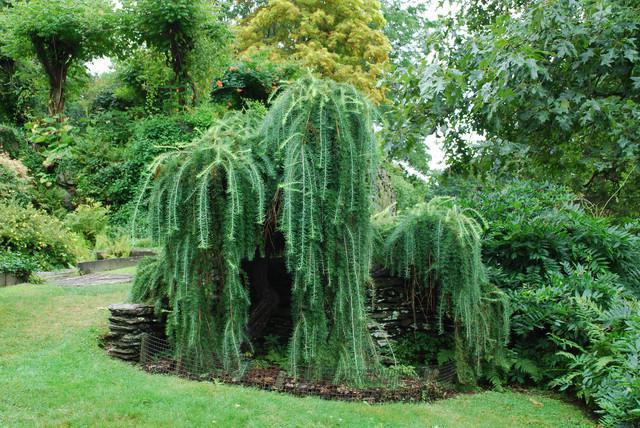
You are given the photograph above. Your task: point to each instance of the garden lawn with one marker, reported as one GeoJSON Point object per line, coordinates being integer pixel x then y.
{"type": "Point", "coordinates": [52, 373]}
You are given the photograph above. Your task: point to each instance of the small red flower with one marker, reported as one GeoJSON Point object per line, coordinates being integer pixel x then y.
{"type": "Point", "coordinates": [219, 83]}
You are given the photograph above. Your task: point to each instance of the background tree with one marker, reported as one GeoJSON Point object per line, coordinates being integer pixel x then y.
{"type": "Point", "coordinates": [240, 9]}
{"type": "Point", "coordinates": [188, 32]}
{"type": "Point", "coordinates": [342, 39]}
{"type": "Point", "coordinates": [554, 93]}
{"type": "Point", "coordinates": [59, 33]}
{"type": "Point", "coordinates": [406, 123]}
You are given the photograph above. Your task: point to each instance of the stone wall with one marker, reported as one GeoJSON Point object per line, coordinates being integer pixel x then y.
{"type": "Point", "coordinates": [7, 279]}
{"type": "Point", "coordinates": [128, 324]}
{"type": "Point", "coordinates": [394, 308]}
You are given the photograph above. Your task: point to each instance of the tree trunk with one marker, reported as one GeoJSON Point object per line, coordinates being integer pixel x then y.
{"type": "Point", "coordinates": [57, 81]}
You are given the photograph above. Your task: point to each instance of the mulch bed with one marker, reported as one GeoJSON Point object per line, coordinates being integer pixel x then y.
{"type": "Point", "coordinates": [275, 379]}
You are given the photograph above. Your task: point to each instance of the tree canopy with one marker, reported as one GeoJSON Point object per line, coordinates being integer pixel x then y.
{"type": "Point", "coordinates": [59, 34]}
{"type": "Point", "coordinates": [187, 32]}
{"type": "Point", "coordinates": [342, 40]}
{"type": "Point", "coordinates": [553, 91]}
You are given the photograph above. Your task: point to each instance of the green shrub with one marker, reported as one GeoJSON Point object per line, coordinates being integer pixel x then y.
{"type": "Point", "coordinates": [251, 79]}
{"type": "Point", "coordinates": [17, 264]}
{"type": "Point", "coordinates": [117, 245]}
{"type": "Point", "coordinates": [581, 328]}
{"type": "Point", "coordinates": [535, 228]}
{"type": "Point", "coordinates": [88, 220]}
{"type": "Point", "coordinates": [15, 182]}
{"type": "Point", "coordinates": [573, 327]}
{"type": "Point", "coordinates": [33, 233]}
{"type": "Point", "coordinates": [116, 181]}
{"type": "Point", "coordinates": [11, 141]}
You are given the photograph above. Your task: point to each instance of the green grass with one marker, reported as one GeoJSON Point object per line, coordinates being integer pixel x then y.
{"type": "Point", "coordinates": [52, 373]}
{"type": "Point", "coordinates": [130, 269]}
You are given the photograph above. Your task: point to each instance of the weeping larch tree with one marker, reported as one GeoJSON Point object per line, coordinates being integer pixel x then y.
{"type": "Point", "coordinates": [298, 183]}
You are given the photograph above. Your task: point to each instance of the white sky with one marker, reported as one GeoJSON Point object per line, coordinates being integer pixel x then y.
{"type": "Point", "coordinates": [103, 65]}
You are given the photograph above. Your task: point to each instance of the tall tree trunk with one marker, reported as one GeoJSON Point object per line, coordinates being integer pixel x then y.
{"type": "Point", "coordinates": [57, 81]}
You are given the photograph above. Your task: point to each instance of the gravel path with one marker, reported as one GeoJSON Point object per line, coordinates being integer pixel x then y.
{"type": "Point", "coordinates": [92, 279]}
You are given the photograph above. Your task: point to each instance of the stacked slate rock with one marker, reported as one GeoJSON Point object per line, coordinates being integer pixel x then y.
{"type": "Point", "coordinates": [391, 312]}
{"type": "Point", "coordinates": [128, 324]}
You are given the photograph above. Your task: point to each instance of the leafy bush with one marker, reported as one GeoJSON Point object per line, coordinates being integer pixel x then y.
{"type": "Point", "coordinates": [254, 78]}
{"type": "Point", "coordinates": [422, 348]}
{"type": "Point", "coordinates": [33, 233]}
{"type": "Point", "coordinates": [17, 264]}
{"type": "Point", "coordinates": [535, 228]}
{"type": "Point", "coordinates": [571, 277]}
{"type": "Point", "coordinates": [582, 330]}
{"type": "Point", "coordinates": [15, 182]}
{"type": "Point", "coordinates": [88, 220]}
{"type": "Point", "coordinates": [151, 137]}
{"type": "Point", "coordinates": [11, 141]}
{"type": "Point", "coordinates": [50, 133]}
{"type": "Point", "coordinates": [116, 245]}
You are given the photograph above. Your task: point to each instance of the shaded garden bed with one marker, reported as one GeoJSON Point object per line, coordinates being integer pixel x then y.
{"type": "Point", "coordinates": [275, 379]}
{"type": "Point", "coordinates": [376, 386]}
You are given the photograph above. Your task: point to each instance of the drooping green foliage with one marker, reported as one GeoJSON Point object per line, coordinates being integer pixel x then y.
{"type": "Point", "coordinates": [322, 135]}
{"type": "Point", "coordinates": [316, 159]}
{"type": "Point", "coordinates": [206, 205]}
{"type": "Point", "coordinates": [436, 246]}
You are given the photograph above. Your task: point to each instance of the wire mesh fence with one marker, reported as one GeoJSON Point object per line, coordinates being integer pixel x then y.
{"type": "Point", "coordinates": [375, 386]}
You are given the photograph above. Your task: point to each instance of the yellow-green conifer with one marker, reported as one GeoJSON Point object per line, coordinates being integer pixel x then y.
{"type": "Point", "coordinates": [340, 39]}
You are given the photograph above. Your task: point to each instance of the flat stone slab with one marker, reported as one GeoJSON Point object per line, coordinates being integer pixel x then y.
{"type": "Point", "coordinates": [93, 279]}
{"type": "Point", "coordinates": [130, 309]}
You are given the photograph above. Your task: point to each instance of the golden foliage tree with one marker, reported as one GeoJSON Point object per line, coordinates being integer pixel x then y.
{"type": "Point", "coordinates": [340, 39]}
